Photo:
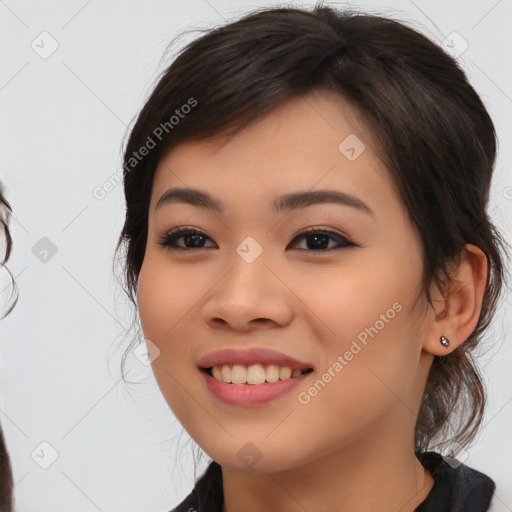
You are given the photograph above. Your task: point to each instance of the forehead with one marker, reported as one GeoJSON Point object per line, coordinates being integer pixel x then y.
{"type": "Point", "coordinates": [315, 141]}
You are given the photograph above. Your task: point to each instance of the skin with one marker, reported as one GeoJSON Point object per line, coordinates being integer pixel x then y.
{"type": "Point", "coordinates": [352, 446]}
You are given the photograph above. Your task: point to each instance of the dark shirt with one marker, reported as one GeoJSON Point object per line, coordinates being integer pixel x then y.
{"type": "Point", "coordinates": [457, 488]}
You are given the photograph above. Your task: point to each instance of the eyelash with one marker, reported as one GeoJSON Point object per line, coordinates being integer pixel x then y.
{"type": "Point", "coordinates": [168, 241]}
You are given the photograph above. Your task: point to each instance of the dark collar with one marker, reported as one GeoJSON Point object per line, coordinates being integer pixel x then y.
{"type": "Point", "coordinates": [457, 488]}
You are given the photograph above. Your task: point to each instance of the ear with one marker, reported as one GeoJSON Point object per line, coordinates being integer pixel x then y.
{"type": "Point", "coordinates": [457, 310]}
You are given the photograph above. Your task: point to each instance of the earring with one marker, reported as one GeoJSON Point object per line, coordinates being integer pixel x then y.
{"type": "Point", "coordinates": [445, 341]}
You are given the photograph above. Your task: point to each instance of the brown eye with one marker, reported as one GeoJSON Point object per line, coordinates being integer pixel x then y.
{"type": "Point", "coordinates": [319, 239]}
{"type": "Point", "coordinates": [192, 238]}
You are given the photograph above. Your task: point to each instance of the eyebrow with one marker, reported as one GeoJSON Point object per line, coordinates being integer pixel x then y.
{"type": "Point", "coordinates": [280, 204]}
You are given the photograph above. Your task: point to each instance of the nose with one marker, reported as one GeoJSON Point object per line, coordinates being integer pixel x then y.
{"type": "Point", "coordinates": [248, 296]}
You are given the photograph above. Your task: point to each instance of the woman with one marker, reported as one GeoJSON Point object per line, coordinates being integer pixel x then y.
{"type": "Point", "coordinates": [309, 251]}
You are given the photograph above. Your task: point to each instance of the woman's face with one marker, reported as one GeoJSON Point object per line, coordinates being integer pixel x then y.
{"type": "Point", "coordinates": [345, 302]}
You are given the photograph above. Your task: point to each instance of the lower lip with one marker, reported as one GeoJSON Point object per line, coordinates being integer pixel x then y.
{"type": "Point", "coordinates": [250, 394]}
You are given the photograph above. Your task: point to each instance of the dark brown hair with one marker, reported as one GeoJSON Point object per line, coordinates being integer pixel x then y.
{"type": "Point", "coordinates": [433, 131]}
{"type": "Point", "coordinates": [6, 482]}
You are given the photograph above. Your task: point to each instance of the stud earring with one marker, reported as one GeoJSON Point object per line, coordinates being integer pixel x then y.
{"type": "Point", "coordinates": [445, 341]}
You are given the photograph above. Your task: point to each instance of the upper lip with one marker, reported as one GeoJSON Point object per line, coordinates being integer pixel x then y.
{"type": "Point", "coordinates": [251, 356]}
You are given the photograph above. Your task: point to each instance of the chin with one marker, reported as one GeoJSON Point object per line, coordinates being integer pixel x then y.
{"type": "Point", "coordinates": [249, 458]}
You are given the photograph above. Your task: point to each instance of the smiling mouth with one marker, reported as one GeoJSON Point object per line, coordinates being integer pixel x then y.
{"type": "Point", "coordinates": [295, 374]}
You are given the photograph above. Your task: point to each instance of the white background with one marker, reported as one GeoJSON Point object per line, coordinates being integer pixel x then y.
{"type": "Point", "coordinates": [62, 126]}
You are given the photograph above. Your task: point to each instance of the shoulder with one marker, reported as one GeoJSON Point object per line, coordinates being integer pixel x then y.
{"type": "Point", "coordinates": [457, 487]}
{"type": "Point", "coordinates": [207, 494]}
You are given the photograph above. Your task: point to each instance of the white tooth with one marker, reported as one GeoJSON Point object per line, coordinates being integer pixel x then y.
{"type": "Point", "coordinates": [285, 372]}
{"type": "Point", "coordinates": [226, 373]}
{"type": "Point", "coordinates": [238, 374]}
{"type": "Point", "coordinates": [217, 372]}
{"type": "Point", "coordinates": [272, 373]}
{"type": "Point", "coordinates": [255, 374]}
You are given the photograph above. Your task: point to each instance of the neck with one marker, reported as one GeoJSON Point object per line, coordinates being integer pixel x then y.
{"type": "Point", "coordinates": [362, 477]}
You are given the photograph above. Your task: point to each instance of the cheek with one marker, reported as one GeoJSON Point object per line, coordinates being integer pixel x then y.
{"type": "Point", "coordinates": [161, 303]}
{"type": "Point", "coordinates": [347, 300]}
{"type": "Point", "coordinates": [366, 319]}
{"type": "Point", "coordinates": [162, 312]}
{"type": "Point", "coordinates": [150, 303]}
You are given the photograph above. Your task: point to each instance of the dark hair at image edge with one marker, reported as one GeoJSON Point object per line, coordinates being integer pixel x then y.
{"type": "Point", "coordinates": [6, 480]}
{"type": "Point", "coordinates": [434, 133]}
